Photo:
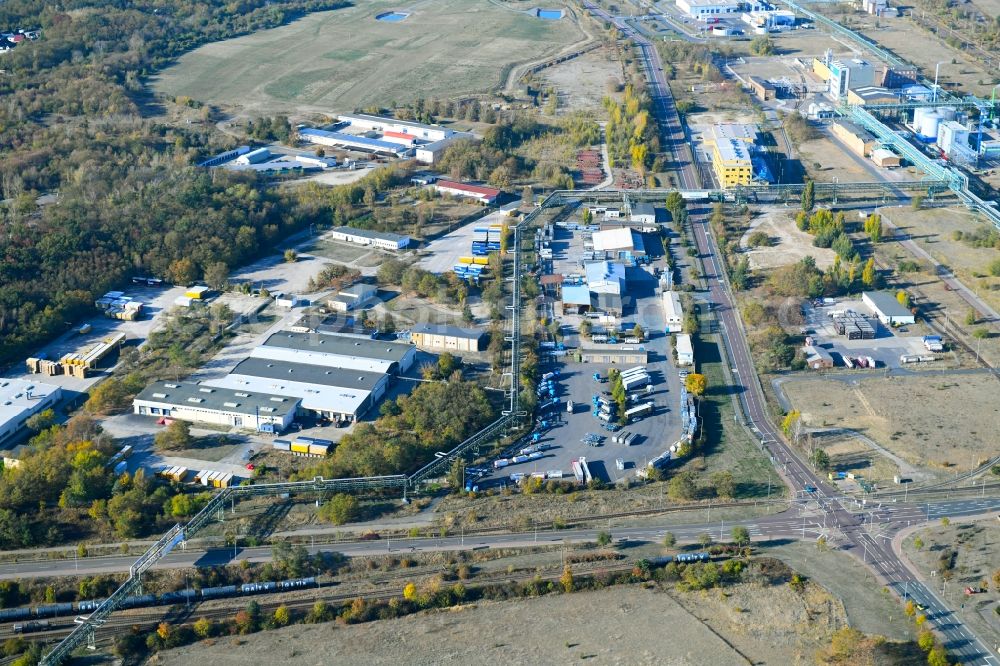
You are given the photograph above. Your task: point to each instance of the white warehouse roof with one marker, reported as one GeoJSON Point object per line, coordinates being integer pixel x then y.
{"type": "Point", "coordinates": [320, 388]}
{"type": "Point", "coordinates": [611, 240]}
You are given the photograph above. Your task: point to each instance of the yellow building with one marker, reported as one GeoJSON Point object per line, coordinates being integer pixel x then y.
{"type": "Point", "coordinates": [730, 146]}
{"type": "Point", "coordinates": [821, 69]}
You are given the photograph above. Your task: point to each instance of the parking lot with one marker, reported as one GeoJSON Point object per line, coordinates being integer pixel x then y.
{"type": "Point", "coordinates": [565, 432]}
{"type": "Point", "coordinates": [886, 348]}
{"type": "Point", "coordinates": [441, 254]}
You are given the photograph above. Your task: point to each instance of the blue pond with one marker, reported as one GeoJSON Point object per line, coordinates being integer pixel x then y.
{"type": "Point", "coordinates": [549, 14]}
{"type": "Point", "coordinates": [391, 17]}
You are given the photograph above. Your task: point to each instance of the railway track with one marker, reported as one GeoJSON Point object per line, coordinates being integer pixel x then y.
{"type": "Point", "coordinates": [124, 622]}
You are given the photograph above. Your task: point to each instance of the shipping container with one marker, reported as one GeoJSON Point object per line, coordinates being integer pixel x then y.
{"type": "Point", "coordinates": [318, 449]}
{"type": "Point", "coordinates": [282, 445]}
{"type": "Point", "coordinates": [299, 446]}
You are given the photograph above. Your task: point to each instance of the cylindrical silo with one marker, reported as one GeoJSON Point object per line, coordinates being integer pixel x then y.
{"type": "Point", "coordinates": [929, 126]}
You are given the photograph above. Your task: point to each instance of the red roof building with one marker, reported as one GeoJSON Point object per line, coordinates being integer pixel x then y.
{"type": "Point", "coordinates": [399, 137]}
{"type": "Point", "coordinates": [487, 195]}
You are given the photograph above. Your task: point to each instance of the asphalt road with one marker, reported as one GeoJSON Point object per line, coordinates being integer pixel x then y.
{"type": "Point", "coordinates": [807, 520]}
{"type": "Point", "coordinates": [879, 556]}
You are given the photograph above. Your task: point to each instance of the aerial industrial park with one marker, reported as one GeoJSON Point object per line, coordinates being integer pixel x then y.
{"type": "Point", "coordinates": [318, 319]}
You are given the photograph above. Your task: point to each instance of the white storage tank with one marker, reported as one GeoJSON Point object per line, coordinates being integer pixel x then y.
{"type": "Point", "coordinates": [918, 118]}
{"type": "Point", "coordinates": [945, 112]}
{"type": "Point", "coordinates": [928, 129]}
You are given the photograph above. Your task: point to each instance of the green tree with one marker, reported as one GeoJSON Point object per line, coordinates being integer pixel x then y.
{"type": "Point", "coordinates": [603, 538]}
{"type": "Point", "coordinates": [447, 364]}
{"type": "Point", "coordinates": [918, 543]}
{"type": "Point", "coordinates": [43, 420]}
{"type": "Point", "coordinates": [981, 333]}
{"type": "Point", "coordinates": [821, 460]}
{"type": "Point", "coordinates": [217, 275]}
{"type": "Point", "coordinates": [873, 227]}
{"type": "Point", "coordinates": [176, 436]}
{"type": "Point", "coordinates": [868, 275]}
{"type": "Point", "coordinates": [741, 536]}
{"type": "Point", "coordinates": [725, 485]}
{"type": "Point", "coordinates": [291, 256]}
{"type": "Point", "coordinates": [971, 317]}
{"type": "Point", "coordinates": [669, 540]}
{"type": "Point", "coordinates": [340, 509]}
{"type": "Point", "coordinates": [705, 539]}
{"type": "Point", "coordinates": [456, 474]}
{"type": "Point", "coordinates": [809, 196]}
{"type": "Point", "coordinates": [762, 46]}
{"type": "Point", "coordinates": [282, 616]}
{"type": "Point", "coordinates": [903, 298]}
{"type": "Point", "coordinates": [938, 656]}
{"type": "Point", "coordinates": [682, 487]}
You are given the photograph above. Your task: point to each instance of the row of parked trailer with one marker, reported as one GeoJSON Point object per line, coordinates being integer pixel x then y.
{"type": "Point", "coordinates": [205, 477]}
{"type": "Point", "coordinates": [304, 446]}
{"type": "Point", "coordinates": [165, 599]}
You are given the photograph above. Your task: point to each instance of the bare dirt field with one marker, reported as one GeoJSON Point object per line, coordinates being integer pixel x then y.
{"type": "Point", "coordinates": [805, 43]}
{"type": "Point", "coordinates": [909, 41]}
{"type": "Point", "coordinates": [832, 160]}
{"type": "Point", "coordinates": [345, 59]}
{"type": "Point", "coordinates": [620, 625]}
{"type": "Point", "coordinates": [944, 421]}
{"type": "Point", "coordinates": [975, 547]}
{"type": "Point", "coordinates": [933, 229]}
{"type": "Point", "coordinates": [583, 82]}
{"type": "Point", "coordinates": [788, 243]}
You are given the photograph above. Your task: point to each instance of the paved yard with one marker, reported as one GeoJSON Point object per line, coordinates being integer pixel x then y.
{"type": "Point", "coordinates": [886, 348]}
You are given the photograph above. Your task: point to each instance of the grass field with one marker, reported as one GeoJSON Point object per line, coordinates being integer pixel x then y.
{"type": "Point", "coordinates": [975, 548]}
{"type": "Point", "coordinates": [727, 446]}
{"type": "Point", "coordinates": [342, 60]}
{"type": "Point", "coordinates": [620, 625]}
{"type": "Point", "coordinates": [941, 421]}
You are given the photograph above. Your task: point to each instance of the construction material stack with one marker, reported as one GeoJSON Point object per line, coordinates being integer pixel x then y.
{"type": "Point", "coordinates": [493, 236]}
{"type": "Point", "coordinates": [77, 364]}
{"type": "Point", "coordinates": [471, 268]}
{"type": "Point", "coordinates": [480, 241]}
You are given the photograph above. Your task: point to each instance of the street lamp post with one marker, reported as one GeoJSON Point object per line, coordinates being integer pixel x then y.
{"type": "Point", "coordinates": [937, 69]}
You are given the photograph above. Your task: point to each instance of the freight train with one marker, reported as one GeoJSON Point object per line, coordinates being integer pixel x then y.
{"type": "Point", "coordinates": [165, 599]}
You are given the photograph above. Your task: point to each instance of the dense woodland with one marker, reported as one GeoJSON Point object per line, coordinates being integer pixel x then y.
{"type": "Point", "coordinates": [127, 199]}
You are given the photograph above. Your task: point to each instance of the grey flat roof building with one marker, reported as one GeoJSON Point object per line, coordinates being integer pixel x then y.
{"type": "Point", "coordinates": [341, 351]}
{"type": "Point", "coordinates": [308, 374]}
{"type": "Point", "coordinates": [215, 398]}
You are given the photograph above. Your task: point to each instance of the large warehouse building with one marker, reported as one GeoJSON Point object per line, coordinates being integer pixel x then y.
{"type": "Point", "coordinates": [334, 393]}
{"type": "Point", "coordinates": [19, 401]}
{"type": "Point", "coordinates": [887, 308]}
{"type": "Point", "coordinates": [238, 408]}
{"type": "Point", "coordinates": [383, 124]}
{"type": "Point", "coordinates": [380, 239]}
{"type": "Point", "coordinates": [338, 351]}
